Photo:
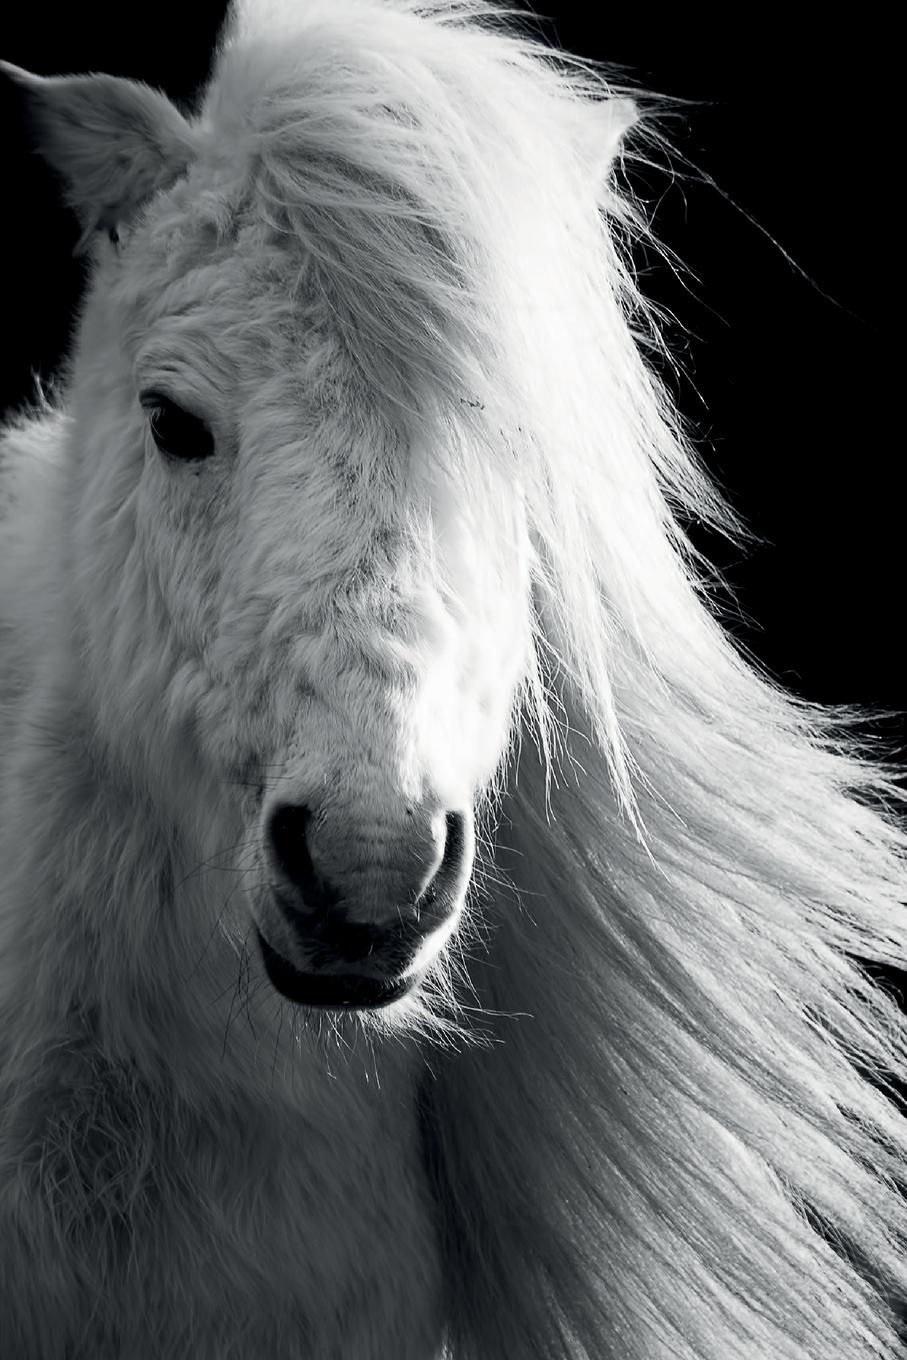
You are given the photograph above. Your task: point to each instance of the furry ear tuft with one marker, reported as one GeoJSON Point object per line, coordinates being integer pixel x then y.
{"type": "Point", "coordinates": [114, 142]}
{"type": "Point", "coordinates": [622, 115]}
{"type": "Point", "coordinates": [603, 134]}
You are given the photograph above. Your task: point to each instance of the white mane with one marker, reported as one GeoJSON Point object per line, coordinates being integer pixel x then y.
{"type": "Point", "coordinates": [446, 187]}
{"type": "Point", "coordinates": [675, 1140]}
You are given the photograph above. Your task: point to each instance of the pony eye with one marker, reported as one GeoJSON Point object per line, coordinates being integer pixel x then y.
{"type": "Point", "coordinates": [177, 433]}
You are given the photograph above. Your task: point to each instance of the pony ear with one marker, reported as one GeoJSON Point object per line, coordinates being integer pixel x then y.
{"type": "Point", "coordinates": [603, 134]}
{"type": "Point", "coordinates": [113, 142]}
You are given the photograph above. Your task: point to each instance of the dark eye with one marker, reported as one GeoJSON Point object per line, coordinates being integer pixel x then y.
{"type": "Point", "coordinates": [177, 433]}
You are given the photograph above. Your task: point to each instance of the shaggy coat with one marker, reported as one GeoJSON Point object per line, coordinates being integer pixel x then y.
{"type": "Point", "coordinates": [637, 1110]}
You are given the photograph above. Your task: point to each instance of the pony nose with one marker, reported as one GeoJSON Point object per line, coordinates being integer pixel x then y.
{"type": "Point", "coordinates": [352, 890]}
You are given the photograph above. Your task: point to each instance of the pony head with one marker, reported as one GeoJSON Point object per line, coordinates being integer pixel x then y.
{"type": "Point", "coordinates": [302, 560]}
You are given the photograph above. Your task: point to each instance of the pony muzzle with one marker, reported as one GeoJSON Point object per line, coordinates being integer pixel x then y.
{"type": "Point", "coordinates": [357, 914]}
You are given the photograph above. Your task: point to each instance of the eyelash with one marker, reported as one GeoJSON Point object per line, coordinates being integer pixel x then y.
{"type": "Point", "coordinates": [189, 439]}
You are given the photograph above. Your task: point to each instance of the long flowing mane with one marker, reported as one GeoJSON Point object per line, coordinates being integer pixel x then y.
{"type": "Point", "coordinates": [669, 1130]}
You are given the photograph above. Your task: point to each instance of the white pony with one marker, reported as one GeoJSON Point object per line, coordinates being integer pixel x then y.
{"type": "Point", "coordinates": [358, 476]}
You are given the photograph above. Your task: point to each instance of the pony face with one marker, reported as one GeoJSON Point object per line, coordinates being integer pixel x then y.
{"type": "Point", "coordinates": [308, 487]}
{"type": "Point", "coordinates": [290, 600]}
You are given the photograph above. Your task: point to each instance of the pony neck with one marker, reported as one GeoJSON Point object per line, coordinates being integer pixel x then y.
{"type": "Point", "coordinates": [109, 933]}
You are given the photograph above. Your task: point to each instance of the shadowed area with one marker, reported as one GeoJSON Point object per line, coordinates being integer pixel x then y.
{"type": "Point", "coordinates": [347, 991]}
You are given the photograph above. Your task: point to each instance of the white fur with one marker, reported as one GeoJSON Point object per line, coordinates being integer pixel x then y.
{"type": "Point", "coordinates": [385, 262]}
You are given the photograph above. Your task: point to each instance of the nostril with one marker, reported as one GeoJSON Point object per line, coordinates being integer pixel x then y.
{"type": "Point", "coordinates": [453, 844]}
{"type": "Point", "coordinates": [443, 884]}
{"type": "Point", "coordinates": [287, 832]}
{"type": "Point", "coordinates": [385, 879]}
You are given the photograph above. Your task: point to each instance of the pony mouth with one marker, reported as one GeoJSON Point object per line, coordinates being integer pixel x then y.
{"type": "Point", "coordinates": [337, 991]}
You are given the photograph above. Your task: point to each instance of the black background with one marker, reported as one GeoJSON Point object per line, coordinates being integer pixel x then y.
{"type": "Point", "coordinates": [790, 380]}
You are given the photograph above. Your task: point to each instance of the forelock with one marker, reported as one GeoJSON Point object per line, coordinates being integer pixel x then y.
{"type": "Point", "coordinates": [400, 157]}
{"type": "Point", "coordinates": [447, 191]}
